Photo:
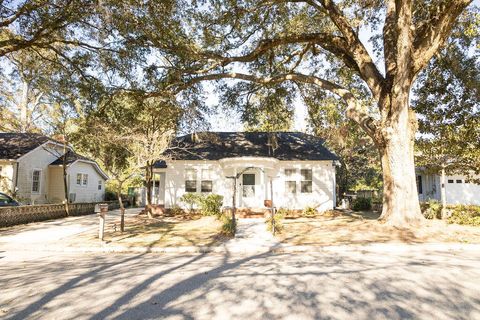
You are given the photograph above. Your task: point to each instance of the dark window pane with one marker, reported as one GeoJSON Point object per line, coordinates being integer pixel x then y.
{"type": "Point", "coordinates": [290, 186]}
{"type": "Point", "coordinates": [306, 186]}
{"type": "Point", "coordinates": [191, 186]}
{"type": "Point", "coordinates": [248, 179]}
{"type": "Point", "coordinates": [206, 186]}
{"type": "Point", "coordinates": [459, 181]}
{"type": "Point", "coordinates": [419, 185]}
{"type": "Point", "coordinates": [450, 181]}
{"type": "Point", "coordinates": [306, 174]}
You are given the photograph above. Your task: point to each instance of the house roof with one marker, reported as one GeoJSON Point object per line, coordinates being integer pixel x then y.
{"type": "Point", "coordinates": [220, 145]}
{"type": "Point", "coordinates": [13, 145]}
{"type": "Point", "coordinates": [71, 157]}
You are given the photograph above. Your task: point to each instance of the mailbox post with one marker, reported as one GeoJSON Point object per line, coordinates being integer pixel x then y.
{"type": "Point", "coordinates": [101, 210]}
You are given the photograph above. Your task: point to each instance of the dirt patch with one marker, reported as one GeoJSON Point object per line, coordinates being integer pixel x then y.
{"type": "Point", "coordinates": [348, 227]}
{"type": "Point", "coordinates": [165, 231]}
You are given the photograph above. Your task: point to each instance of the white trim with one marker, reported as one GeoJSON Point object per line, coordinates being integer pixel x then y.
{"type": "Point", "coordinates": [97, 167]}
{"type": "Point", "coordinates": [99, 170]}
{"type": "Point", "coordinates": [39, 181]}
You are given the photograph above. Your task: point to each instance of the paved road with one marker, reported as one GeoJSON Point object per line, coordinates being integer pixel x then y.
{"type": "Point", "coordinates": [329, 285]}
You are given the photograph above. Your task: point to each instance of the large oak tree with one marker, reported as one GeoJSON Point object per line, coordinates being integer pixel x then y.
{"type": "Point", "coordinates": [313, 42]}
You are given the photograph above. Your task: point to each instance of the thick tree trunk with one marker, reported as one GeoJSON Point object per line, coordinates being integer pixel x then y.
{"type": "Point", "coordinates": [401, 206]}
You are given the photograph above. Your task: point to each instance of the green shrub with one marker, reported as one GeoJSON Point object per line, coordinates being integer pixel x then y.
{"type": "Point", "coordinates": [432, 209]}
{"type": "Point", "coordinates": [190, 199]}
{"type": "Point", "coordinates": [211, 204]}
{"type": "Point", "coordinates": [228, 227]}
{"type": "Point", "coordinates": [469, 215]}
{"type": "Point", "coordinates": [309, 212]}
{"type": "Point", "coordinates": [360, 204]}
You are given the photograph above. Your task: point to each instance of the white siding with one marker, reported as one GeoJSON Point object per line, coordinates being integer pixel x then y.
{"type": "Point", "coordinates": [463, 192]}
{"type": "Point", "coordinates": [456, 193]}
{"type": "Point", "coordinates": [38, 159]}
{"type": "Point", "coordinates": [90, 192]}
{"type": "Point", "coordinates": [323, 183]}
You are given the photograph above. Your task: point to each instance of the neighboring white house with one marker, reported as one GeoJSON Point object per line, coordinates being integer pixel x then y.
{"type": "Point", "coordinates": [31, 169]}
{"type": "Point", "coordinates": [296, 168]}
{"type": "Point", "coordinates": [459, 189]}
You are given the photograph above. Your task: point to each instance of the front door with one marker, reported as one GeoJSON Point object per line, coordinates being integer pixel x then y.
{"type": "Point", "coordinates": [248, 190]}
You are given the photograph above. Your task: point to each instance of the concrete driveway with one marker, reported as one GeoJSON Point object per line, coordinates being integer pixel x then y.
{"type": "Point", "coordinates": [53, 231]}
{"type": "Point", "coordinates": [329, 285]}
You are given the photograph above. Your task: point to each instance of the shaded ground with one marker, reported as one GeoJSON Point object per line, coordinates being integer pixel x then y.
{"type": "Point", "coordinates": [330, 285]}
{"type": "Point", "coordinates": [139, 232]}
{"type": "Point", "coordinates": [348, 227]}
{"type": "Point", "coordinates": [165, 232]}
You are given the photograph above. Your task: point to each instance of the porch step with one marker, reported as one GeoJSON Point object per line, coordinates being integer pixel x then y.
{"type": "Point", "coordinates": [252, 212]}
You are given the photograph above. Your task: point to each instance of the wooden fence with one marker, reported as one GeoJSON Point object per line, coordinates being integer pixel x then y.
{"type": "Point", "coordinates": [10, 216]}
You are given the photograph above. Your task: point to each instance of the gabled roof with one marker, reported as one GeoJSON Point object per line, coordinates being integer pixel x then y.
{"type": "Point", "coordinates": [13, 145]}
{"type": "Point", "coordinates": [72, 157]}
{"type": "Point", "coordinates": [220, 145]}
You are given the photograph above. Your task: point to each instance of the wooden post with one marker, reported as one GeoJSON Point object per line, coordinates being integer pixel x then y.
{"type": "Point", "coordinates": [273, 207]}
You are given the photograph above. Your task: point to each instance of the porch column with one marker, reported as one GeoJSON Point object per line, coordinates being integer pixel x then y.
{"type": "Point", "coordinates": [263, 182]}
{"type": "Point", "coordinates": [237, 204]}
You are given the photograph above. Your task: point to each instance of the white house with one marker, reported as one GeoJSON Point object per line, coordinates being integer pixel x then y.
{"type": "Point", "coordinates": [31, 169]}
{"type": "Point", "coordinates": [459, 189]}
{"type": "Point", "coordinates": [293, 167]}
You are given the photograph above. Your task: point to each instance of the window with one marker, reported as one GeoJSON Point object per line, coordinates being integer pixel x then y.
{"type": "Point", "coordinates": [206, 183]}
{"type": "Point", "coordinates": [248, 182]}
{"type": "Point", "coordinates": [419, 185]}
{"type": "Point", "coordinates": [190, 180]}
{"type": "Point", "coordinates": [36, 181]}
{"type": "Point", "coordinates": [206, 186]}
{"type": "Point", "coordinates": [459, 181]}
{"type": "Point", "coordinates": [99, 184]}
{"type": "Point", "coordinates": [290, 181]}
{"type": "Point", "coordinates": [82, 179]}
{"type": "Point", "coordinates": [290, 186]}
{"type": "Point", "coordinates": [306, 183]}
{"type": "Point", "coordinates": [290, 173]}
{"type": "Point", "coordinates": [450, 181]}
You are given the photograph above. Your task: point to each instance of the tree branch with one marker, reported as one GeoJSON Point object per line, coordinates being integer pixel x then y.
{"type": "Point", "coordinates": [432, 34]}
{"type": "Point", "coordinates": [353, 111]}
{"type": "Point", "coordinates": [368, 70]}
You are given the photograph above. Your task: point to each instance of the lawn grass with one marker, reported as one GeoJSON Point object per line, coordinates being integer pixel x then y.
{"type": "Point", "coordinates": [348, 227]}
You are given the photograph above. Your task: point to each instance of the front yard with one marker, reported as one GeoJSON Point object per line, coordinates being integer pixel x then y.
{"type": "Point", "coordinates": [184, 230]}
{"type": "Point", "coordinates": [348, 227]}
